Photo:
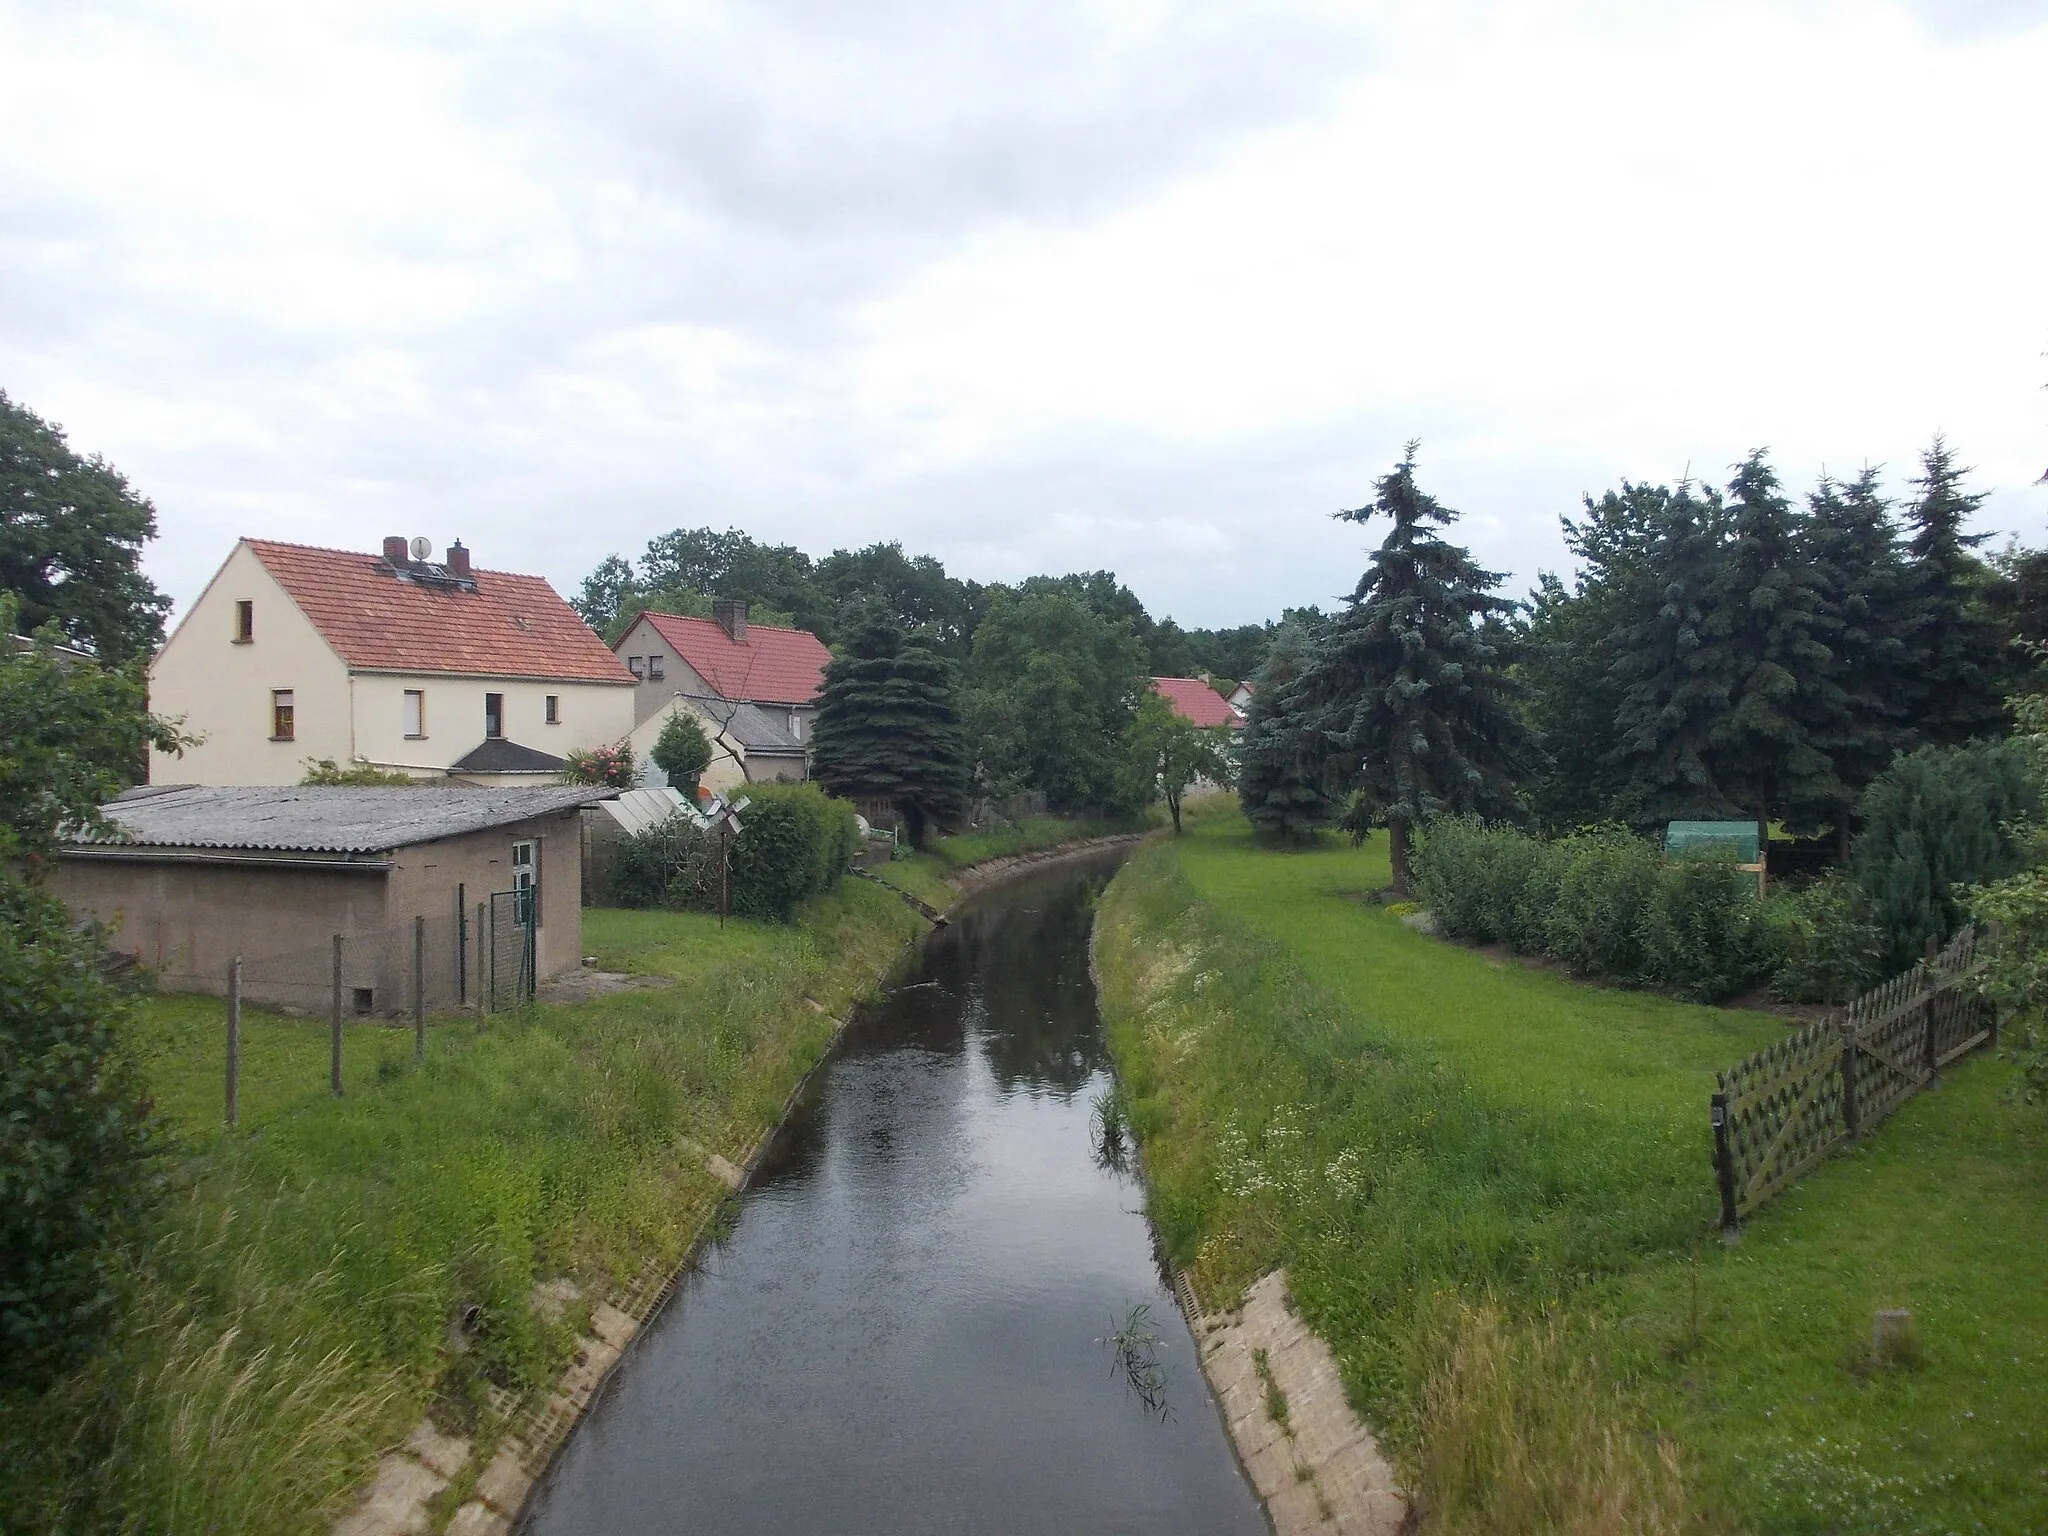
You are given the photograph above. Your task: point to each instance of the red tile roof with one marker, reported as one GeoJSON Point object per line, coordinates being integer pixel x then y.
{"type": "Point", "coordinates": [774, 666]}
{"type": "Point", "coordinates": [1195, 700]}
{"type": "Point", "coordinates": [510, 626]}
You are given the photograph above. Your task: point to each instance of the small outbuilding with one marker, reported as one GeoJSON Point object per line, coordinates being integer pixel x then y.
{"type": "Point", "coordinates": [469, 894]}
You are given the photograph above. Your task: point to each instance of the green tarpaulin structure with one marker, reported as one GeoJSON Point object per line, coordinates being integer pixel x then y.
{"type": "Point", "coordinates": [1737, 836]}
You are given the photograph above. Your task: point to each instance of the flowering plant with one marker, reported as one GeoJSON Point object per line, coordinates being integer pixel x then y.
{"type": "Point", "coordinates": [608, 765]}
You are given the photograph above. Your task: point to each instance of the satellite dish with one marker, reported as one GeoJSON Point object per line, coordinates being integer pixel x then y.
{"type": "Point", "coordinates": [421, 548]}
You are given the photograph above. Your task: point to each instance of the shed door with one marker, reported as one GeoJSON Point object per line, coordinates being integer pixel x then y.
{"type": "Point", "coordinates": [525, 881]}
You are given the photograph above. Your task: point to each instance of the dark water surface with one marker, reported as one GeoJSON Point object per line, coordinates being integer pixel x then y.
{"type": "Point", "coordinates": [902, 1332]}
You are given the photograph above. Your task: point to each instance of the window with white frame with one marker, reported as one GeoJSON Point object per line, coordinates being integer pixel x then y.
{"type": "Point", "coordinates": [415, 713]}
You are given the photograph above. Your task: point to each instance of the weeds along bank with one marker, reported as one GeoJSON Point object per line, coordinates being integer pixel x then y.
{"type": "Point", "coordinates": [1492, 1190]}
{"type": "Point", "coordinates": [335, 1268]}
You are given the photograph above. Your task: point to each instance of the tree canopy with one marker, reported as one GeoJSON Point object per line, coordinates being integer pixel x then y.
{"type": "Point", "coordinates": [71, 537]}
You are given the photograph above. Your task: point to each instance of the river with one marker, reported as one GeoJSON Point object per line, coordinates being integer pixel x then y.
{"type": "Point", "coordinates": [940, 1307]}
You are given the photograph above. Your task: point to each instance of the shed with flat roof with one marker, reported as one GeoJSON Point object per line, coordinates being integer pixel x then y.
{"type": "Point", "coordinates": [190, 877]}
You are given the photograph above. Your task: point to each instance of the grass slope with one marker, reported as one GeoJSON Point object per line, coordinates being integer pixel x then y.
{"type": "Point", "coordinates": [924, 873]}
{"type": "Point", "coordinates": [1492, 1188]}
{"type": "Point", "coordinates": [294, 1315]}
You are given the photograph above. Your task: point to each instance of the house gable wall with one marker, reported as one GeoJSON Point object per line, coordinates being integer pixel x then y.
{"type": "Point", "coordinates": [221, 689]}
{"type": "Point", "coordinates": [652, 694]}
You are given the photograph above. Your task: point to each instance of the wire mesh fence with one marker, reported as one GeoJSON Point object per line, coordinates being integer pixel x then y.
{"type": "Point", "coordinates": [482, 959]}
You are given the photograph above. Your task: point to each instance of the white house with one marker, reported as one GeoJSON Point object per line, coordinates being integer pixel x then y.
{"type": "Point", "coordinates": [293, 654]}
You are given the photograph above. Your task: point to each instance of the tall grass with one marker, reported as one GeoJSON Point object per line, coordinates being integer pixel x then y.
{"type": "Point", "coordinates": [1521, 1432]}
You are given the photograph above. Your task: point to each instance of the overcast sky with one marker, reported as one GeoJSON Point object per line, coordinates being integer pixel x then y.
{"type": "Point", "coordinates": [1032, 287]}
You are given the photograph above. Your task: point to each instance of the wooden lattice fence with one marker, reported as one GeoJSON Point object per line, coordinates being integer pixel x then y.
{"type": "Point", "coordinates": [1794, 1102]}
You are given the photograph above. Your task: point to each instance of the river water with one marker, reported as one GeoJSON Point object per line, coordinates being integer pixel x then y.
{"type": "Point", "coordinates": [914, 1323]}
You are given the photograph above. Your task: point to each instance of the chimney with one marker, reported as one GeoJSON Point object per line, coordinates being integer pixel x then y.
{"type": "Point", "coordinates": [730, 613]}
{"type": "Point", "coordinates": [458, 560]}
{"type": "Point", "coordinates": [395, 554]}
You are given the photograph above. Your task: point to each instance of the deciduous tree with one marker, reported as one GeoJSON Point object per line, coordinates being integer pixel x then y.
{"type": "Point", "coordinates": [1169, 753]}
{"type": "Point", "coordinates": [71, 537]}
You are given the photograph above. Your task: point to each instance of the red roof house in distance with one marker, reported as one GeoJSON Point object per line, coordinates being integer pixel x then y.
{"type": "Point", "coordinates": [1195, 700]}
{"type": "Point", "coordinates": [294, 654]}
{"type": "Point", "coordinates": [726, 659]}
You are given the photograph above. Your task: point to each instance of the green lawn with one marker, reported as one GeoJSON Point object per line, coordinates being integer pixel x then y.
{"type": "Point", "coordinates": [294, 1314]}
{"type": "Point", "coordinates": [1423, 1133]}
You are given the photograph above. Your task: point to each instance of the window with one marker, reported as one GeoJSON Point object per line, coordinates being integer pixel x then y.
{"type": "Point", "coordinates": [554, 709]}
{"type": "Point", "coordinates": [633, 662]}
{"type": "Point", "coordinates": [415, 713]}
{"type": "Point", "coordinates": [245, 622]}
{"type": "Point", "coordinates": [494, 715]}
{"type": "Point", "coordinates": [654, 668]}
{"type": "Point", "coordinates": [281, 714]}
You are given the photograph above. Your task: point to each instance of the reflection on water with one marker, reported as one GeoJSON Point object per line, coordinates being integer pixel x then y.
{"type": "Point", "coordinates": [924, 1317]}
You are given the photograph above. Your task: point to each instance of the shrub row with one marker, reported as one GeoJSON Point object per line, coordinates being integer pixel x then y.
{"type": "Point", "coordinates": [1607, 903]}
{"type": "Point", "coordinates": [797, 842]}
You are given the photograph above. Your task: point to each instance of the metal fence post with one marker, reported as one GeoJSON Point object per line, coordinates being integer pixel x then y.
{"type": "Point", "coordinates": [461, 946]}
{"type": "Point", "coordinates": [419, 989]}
{"type": "Point", "coordinates": [235, 1041]}
{"type": "Point", "coordinates": [484, 979]}
{"type": "Point", "coordinates": [1724, 1167]}
{"type": "Point", "coordinates": [334, 1018]}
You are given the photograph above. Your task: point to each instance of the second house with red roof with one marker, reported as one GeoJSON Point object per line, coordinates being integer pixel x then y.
{"type": "Point", "coordinates": [435, 669]}
{"type": "Point", "coordinates": [752, 687]}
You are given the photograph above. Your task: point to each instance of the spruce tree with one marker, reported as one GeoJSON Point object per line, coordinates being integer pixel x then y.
{"type": "Point", "coordinates": [1763, 752]}
{"type": "Point", "coordinates": [1410, 684]}
{"type": "Point", "coordinates": [1283, 775]}
{"type": "Point", "coordinates": [1960, 684]}
{"type": "Point", "coordinates": [1867, 622]}
{"type": "Point", "coordinates": [1668, 655]}
{"type": "Point", "coordinates": [889, 724]}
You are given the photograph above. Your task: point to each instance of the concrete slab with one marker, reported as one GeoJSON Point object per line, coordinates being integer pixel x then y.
{"type": "Point", "coordinates": [443, 1454]}
{"type": "Point", "coordinates": [478, 1519]}
{"type": "Point", "coordinates": [397, 1500]}
{"type": "Point", "coordinates": [505, 1482]}
{"type": "Point", "coordinates": [1322, 1474]}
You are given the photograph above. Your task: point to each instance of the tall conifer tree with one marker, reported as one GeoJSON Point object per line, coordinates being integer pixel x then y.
{"type": "Point", "coordinates": [889, 724]}
{"type": "Point", "coordinates": [1411, 683]}
{"type": "Point", "coordinates": [1959, 669]}
{"type": "Point", "coordinates": [1283, 776]}
{"type": "Point", "coordinates": [1867, 622]}
{"type": "Point", "coordinates": [1763, 751]}
{"type": "Point", "coordinates": [1669, 654]}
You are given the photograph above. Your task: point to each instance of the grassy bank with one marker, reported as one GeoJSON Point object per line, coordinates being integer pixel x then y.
{"type": "Point", "coordinates": [925, 873]}
{"type": "Point", "coordinates": [334, 1268]}
{"type": "Point", "coordinates": [1492, 1190]}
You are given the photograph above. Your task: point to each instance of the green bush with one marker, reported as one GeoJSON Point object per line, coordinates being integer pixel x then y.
{"type": "Point", "coordinates": [75, 1135]}
{"type": "Point", "coordinates": [1489, 884]}
{"type": "Point", "coordinates": [1593, 918]}
{"type": "Point", "coordinates": [1700, 931]}
{"type": "Point", "coordinates": [1820, 944]}
{"type": "Point", "coordinates": [1604, 902]}
{"type": "Point", "coordinates": [668, 865]}
{"type": "Point", "coordinates": [1937, 819]}
{"type": "Point", "coordinates": [798, 841]}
